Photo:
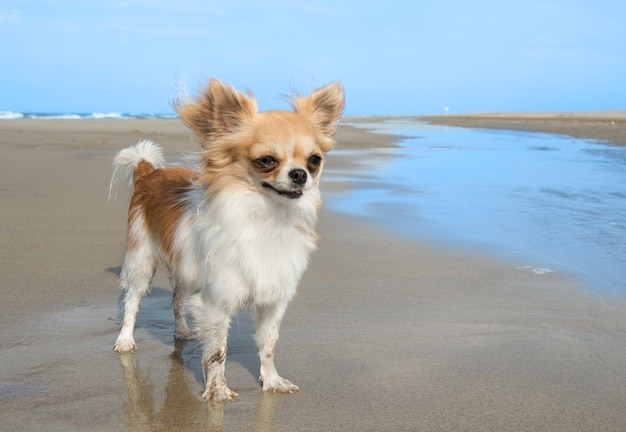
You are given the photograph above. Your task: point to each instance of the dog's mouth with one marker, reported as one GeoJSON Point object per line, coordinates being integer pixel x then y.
{"type": "Point", "coordinates": [291, 194]}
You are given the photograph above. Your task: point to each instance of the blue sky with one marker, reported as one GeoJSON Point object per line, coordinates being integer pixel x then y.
{"type": "Point", "coordinates": [393, 57]}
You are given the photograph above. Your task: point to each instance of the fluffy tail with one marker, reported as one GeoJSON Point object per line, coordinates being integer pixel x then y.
{"type": "Point", "coordinates": [127, 161]}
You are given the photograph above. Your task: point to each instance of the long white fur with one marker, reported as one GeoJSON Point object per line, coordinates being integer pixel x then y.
{"type": "Point", "coordinates": [126, 162]}
{"type": "Point", "coordinates": [241, 249]}
{"type": "Point", "coordinates": [236, 248]}
{"type": "Point", "coordinates": [237, 237]}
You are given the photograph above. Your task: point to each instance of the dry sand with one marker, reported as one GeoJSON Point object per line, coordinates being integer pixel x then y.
{"type": "Point", "coordinates": [383, 335]}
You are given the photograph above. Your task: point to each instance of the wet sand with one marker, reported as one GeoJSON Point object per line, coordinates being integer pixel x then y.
{"type": "Point", "coordinates": [385, 334]}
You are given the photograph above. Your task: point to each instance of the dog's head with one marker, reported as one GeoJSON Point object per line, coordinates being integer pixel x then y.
{"type": "Point", "coordinates": [278, 153]}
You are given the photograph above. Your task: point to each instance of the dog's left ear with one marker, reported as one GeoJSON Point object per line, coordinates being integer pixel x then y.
{"type": "Point", "coordinates": [323, 107]}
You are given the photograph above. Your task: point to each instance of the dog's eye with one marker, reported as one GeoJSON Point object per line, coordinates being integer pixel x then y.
{"type": "Point", "coordinates": [266, 163]}
{"type": "Point", "coordinates": [314, 162]}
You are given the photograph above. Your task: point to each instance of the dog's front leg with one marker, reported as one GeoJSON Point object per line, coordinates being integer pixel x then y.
{"type": "Point", "coordinates": [268, 325]}
{"type": "Point", "coordinates": [214, 336]}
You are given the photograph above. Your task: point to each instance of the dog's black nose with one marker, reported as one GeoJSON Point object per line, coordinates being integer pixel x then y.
{"type": "Point", "coordinates": [298, 176]}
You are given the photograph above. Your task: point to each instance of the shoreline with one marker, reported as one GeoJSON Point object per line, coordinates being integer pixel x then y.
{"type": "Point", "coordinates": [384, 333]}
{"type": "Point", "coordinates": [609, 126]}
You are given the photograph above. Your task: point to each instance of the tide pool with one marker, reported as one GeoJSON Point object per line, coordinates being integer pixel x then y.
{"type": "Point", "coordinates": [545, 201]}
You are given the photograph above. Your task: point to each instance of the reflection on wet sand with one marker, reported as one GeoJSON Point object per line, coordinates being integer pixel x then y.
{"type": "Point", "coordinates": [182, 408]}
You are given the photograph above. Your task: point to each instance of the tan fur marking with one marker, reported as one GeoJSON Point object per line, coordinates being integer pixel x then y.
{"type": "Point", "coordinates": [160, 196]}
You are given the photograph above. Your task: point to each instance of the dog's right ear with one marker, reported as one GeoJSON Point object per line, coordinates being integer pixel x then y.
{"type": "Point", "coordinates": [218, 111]}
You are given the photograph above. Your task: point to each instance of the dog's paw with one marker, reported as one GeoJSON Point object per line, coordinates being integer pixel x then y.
{"type": "Point", "coordinates": [279, 384]}
{"type": "Point", "coordinates": [185, 334]}
{"type": "Point", "coordinates": [125, 346]}
{"type": "Point", "coordinates": [219, 394]}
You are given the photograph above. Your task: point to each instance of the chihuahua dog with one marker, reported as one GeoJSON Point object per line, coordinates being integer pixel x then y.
{"type": "Point", "coordinates": [234, 231]}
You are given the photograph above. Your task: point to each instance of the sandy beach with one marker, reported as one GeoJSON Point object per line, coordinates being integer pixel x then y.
{"type": "Point", "coordinates": [609, 126]}
{"type": "Point", "coordinates": [384, 334]}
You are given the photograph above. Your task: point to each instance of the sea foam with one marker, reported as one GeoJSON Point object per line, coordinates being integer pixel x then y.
{"type": "Point", "coordinates": [7, 115]}
{"type": "Point", "coordinates": [10, 115]}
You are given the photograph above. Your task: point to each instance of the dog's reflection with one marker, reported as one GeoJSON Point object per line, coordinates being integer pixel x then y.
{"type": "Point", "coordinates": [181, 409]}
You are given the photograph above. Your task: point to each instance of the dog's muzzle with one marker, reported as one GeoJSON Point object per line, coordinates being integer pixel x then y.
{"type": "Point", "coordinates": [291, 194]}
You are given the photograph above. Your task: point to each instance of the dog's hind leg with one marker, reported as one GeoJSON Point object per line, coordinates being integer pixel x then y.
{"type": "Point", "coordinates": [268, 320]}
{"type": "Point", "coordinates": [181, 330]}
{"type": "Point", "coordinates": [135, 278]}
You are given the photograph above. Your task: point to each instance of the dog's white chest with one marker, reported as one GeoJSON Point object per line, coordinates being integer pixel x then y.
{"type": "Point", "coordinates": [248, 254]}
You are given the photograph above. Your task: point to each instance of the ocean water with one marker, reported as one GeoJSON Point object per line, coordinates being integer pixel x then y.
{"type": "Point", "coordinates": [10, 115]}
{"type": "Point", "coordinates": [549, 202]}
